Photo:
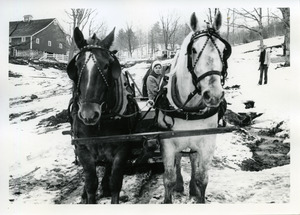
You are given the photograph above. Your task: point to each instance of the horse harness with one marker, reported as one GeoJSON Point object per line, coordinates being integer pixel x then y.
{"type": "Point", "coordinates": [91, 56]}
{"type": "Point", "coordinates": [202, 112]}
{"type": "Point", "coordinates": [210, 33]}
{"type": "Point", "coordinates": [116, 107]}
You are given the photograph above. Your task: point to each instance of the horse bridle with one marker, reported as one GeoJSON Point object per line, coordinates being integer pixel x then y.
{"type": "Point", "coordinates": [92, 55]}
{"type": "Point", "coordinates": [210, 33]}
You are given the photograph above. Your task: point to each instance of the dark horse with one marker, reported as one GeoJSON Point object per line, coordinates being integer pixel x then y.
{"type": "Point", "coordinates": [103, 105]}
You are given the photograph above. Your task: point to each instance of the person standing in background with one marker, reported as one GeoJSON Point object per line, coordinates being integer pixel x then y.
{"type": "Point", "coordinates": [264, 60]}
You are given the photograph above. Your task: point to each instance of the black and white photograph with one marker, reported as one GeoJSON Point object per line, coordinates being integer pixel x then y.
{"type": "Point", "coordinates": [158, 106]}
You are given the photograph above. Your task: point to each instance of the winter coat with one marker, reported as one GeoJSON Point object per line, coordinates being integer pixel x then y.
{"type": "Point", "coordinates": [264, 58]}
{"type": "Point", "coordinates": [153, 82]}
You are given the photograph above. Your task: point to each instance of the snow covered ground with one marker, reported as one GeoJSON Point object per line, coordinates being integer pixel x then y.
{"type": "Point", "coordinates": [40, 158]}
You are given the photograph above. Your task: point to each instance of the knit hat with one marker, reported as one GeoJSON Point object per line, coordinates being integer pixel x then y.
{"type": "Point", "coordinates": [155, 63]}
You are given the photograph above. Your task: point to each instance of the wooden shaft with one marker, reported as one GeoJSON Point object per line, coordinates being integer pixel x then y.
{"type": "Point", "coordinates": [152, 135]}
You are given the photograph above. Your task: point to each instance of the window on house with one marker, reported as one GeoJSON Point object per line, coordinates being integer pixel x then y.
{"type": "Point", "coordinates": [23, 39]}
{"type": "Point", "coordinates": [37, 41]}
{"type": "Point", "coordinates": [49, 43]}
{"type": "Point", "coordinates": [60, 46]}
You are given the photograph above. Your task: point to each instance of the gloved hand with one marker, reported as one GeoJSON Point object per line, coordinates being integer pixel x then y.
{"type": "Point", "coordinates": [150, 103]}
{"type": "Point", "coordinates": [167, 67]}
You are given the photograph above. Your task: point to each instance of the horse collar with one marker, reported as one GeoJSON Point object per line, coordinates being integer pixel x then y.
{"type": "Point", "coordinates": [175, 97]}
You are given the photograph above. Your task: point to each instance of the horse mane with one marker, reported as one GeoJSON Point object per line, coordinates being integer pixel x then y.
{"type": "Point", "coordinates": [178, 61]}
{"type": "Point", "coordinates": [93, 40]}
{"type": "Point", "coordinates": [179, 66]}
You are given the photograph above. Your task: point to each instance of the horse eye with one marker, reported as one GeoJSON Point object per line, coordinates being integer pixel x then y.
{"type": "Point", "coordinates": [106, 67]}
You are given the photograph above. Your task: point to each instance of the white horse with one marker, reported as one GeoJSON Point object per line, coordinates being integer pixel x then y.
{"type": "Point", "coordinates": [195, 92]}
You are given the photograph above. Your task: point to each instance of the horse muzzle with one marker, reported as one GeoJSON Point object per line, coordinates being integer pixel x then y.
{"type": "Point", "coordinates": [212, 99]}
{"type": "Point", "coordinates": [89, 113]}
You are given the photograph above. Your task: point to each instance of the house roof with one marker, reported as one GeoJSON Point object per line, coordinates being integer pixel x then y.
{"type": "Point", "coordinates": [21, 28]}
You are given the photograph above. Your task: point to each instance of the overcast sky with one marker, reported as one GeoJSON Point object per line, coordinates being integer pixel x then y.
{"type": "Point", "coordinates": [117, 13]}
{"type": "Point", "coordinates": [137, 13]}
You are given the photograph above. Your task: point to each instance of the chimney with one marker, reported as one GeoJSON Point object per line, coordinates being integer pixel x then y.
{"type": "Point", "coordinates": [27, 18]}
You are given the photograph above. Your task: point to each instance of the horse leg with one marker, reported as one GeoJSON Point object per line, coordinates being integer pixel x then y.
{"type": "Point", "coordinates": [91, 179]}
{"type": "Point", "coordinates": [105, 181]}
{"type": "Point", "coordinates": [117, 175]}
{"type": "Point", "coordinates": [179, 180]}
{"type": "Point", "coordinates": [169, 176]}
{"type": "Point", "coordinates": [193, 159]}
{"type": "Point", "coordinates": [199, 178]}
{"type": "Point", "coordinates": [84, 196]}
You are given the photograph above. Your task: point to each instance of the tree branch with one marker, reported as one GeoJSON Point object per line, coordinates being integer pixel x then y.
{"type": "Point", "coordinates": [251, 29]}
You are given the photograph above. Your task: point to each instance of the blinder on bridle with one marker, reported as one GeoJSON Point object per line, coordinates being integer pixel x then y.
{"type": "Point", "coordinates": [210, 33]}
{"type": "Point", "coordinates": [72, 70]}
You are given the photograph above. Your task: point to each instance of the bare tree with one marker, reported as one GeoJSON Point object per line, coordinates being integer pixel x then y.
{"type": "Point", "coordinates": [286, 45]}
{"type": "Point", "coordinates": [268, 16]}
{"type": "Point", "coordinates": [141, 41]}
{"type": "Point", "coordinates": [169, 26]}
{"type": "Point", "coordinates": [120, 42]}
{"type": "Point", "coordinates": [100, 29]}
{"type": "Point", "coordinates": [127, 40]}
{"type": "Point", "coordinates": [182, 31]}
{"type": "Point", "coordinates": [131, 39]}
{"type": "Point", "coordinates": [154, 37]}
{"type": "Point", "coordinates": [233, 26]}
{"type": "Point", "coordinates": [249, 17]}
{"type": "Point", "coordinates": [230, 24]}
{"type": "Point", "coordinates": [79, 18]}
{"type": "Point", "coordinates": [211, 16]}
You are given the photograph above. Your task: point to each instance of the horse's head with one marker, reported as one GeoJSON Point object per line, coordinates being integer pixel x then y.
{"type": "Point", "coordinates": [207, 55]}
{"type": "Point", "coordinates": [93, 70]}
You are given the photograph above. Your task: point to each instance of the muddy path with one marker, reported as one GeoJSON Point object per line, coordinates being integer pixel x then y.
{"type": "Point", "coordinates": [249, 166]}
{"type": "Point", "coordinates": [63, 181]}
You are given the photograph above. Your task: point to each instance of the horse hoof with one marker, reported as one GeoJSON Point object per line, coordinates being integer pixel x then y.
{"type": "Point", "coordinates": [83, 198]}
{"type": "Point", "coordinates": [179, 189]}
{"type": "Point", "coordinates": [83, 201]}
{"type": "Point", "coordinates": [167, 201]}
{"type": "Point", "coordinates": [124, 198]}
{"type": "Point", "coordinates": [105, 194]}
{"type": "Point", "coordinates": [193, 193]}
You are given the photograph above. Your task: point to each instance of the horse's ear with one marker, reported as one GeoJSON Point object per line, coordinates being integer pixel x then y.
{"type": "Point", "coordinates": [115, 68]}
{"type": "Point", "coordinates": [114, 51]}
{"type": "Point", "coordinates": [194, 22]}
{"type": "Point", "coordinates": [109, 39]}
{"type": "Point", "coordinates": [218, 21]}
{"type": "Point", "coordinates": [79, 38]}
{"type": "Point", "coordinates": [72, 70]}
